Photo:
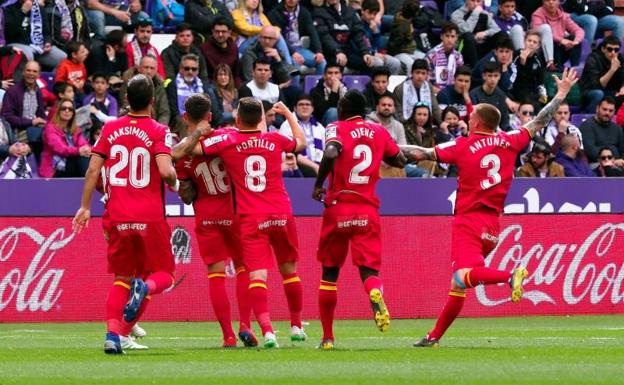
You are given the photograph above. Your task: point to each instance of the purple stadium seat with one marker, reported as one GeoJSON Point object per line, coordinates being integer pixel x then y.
{"type": "Point", "coordinates": [585, 50]}
{"type": "Point", "coordinates": [49, 78]}
{"type": "Point", "coordinates": [357, 82]}
{"type": "Point", "coordinates": [577, 119]}
{"type": "Point", "coordinates": [310, 82]}
{"type": "Point", "coordinates": [430, 4]}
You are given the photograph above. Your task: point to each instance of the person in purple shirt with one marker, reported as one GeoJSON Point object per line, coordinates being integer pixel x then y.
{"type": "Point", "coordinates": [570, 157]}
{"type": "Point", "coordinates": [512, 22]}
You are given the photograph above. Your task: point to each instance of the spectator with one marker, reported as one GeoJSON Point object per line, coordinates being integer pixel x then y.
{"type": "Point", "coordinates": [9, 146]}
{"type": "Point", "coordinates": [27, 29]}
{"type": "Point", "coordinates": [377, 87]}
{"type": "Point", "coordinates": [570, 157]}
{"type": "Point", "coordinates": [384, 115]}
{"type": "Point", "coordinates": [416, 89]}
{"type": "Point", "coordinates": [326, 93]}
{"type": "Point", "coordinates": [512, 22]}
{"type": "Point", "coordinates": [401, 43]}
{"type": "Point", "coordinates": [202, 15]}
{"type": "Point", "coordinates": [221, 49]}
{"type": "Point", "coordinates": [113, 12]}
{"type": "Point", "coordinates": [561, 126]}
{"type": "Point", "coordinates": [419, 131]}
{"type": "Point", "coordinates": [492, 6]}
{"type": "Point", "coordinates": [458, 96]}
{"type": "Point", "coordinates": [148, 66]}
{"type": "Point", "coordinates": [69, 22]}
{"type": "Point", "coordinates": [187, 83]}
{"type": "Point", "coordinates": [103, 105]}
{"type": "Point", "coordinates": [226, 92]}
{"type": "Point", "coordinates": [524, 114]}
{"type": "Point", "coordinates": [601, 131]}
{"type": "Point", "coordinates": [603, 74]}
{"type": "Point", "coordinates": [490, 93]}
{"type": "Point", "coordinates": [269, 116]}
{"type": "Point", "coordinates": [608, 166]}
{"type": "Point", "coordinates": [65, 151]}
{"type": "Point", "coordinates": [444, 58]}
{"type": "Point", "coordinates": [595, 16]}
{"type": "Point", "coordinates": [23, 108]}
{"type": "Point", "coordinates": [141, 46]}
{"type": "Point", "coordinates": [248, 23]}
{"type": "Point", "coordinates": [182, 45]}
{"type": "Point", "coordinates": [259, 86]}
{"type": "Point", "coordinates": [62, 90]}
{"type": "Point", "coordinates": [369, 11]}
{"type": "Point", "coordinates": [72, 70]}
{"type": "Point", "coordinates": [296, 22]}
{"type": "Point", "coordinates": [477, 29]}
{"type": "Point", "coordinates": [540, 164]}
{"type": "Point", "coordinates": [502, 54]}
{"type": "Point", "coordinates": [342, 36]}
{"type": "Point", "coordinates": [265, 48]}
{"type": "Point", "coordinates": [566, 34]}
{"type": "Point", "coordinates": [452, 125]}
{"type": "Point", "coordinates": [109, 58]}
{"type": "Point", "coordinates": [530, 71]}
{"type": "Point", "coordinates": [309, 159]}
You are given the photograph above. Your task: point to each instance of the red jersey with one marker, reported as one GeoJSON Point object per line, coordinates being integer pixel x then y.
{"type": "Point", "coordinates": [486, 166]}
{"type": "Point", "coordinates": [253, 161]}
{"type": "Point", "coordinates": [211, 182]}
{"type": "Point", "coordinates": [133, 183]}
{"type": "Point", "coordinates": [356, 170]}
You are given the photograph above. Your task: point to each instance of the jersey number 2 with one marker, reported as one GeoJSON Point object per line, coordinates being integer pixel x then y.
{"type": "Point", "coordinates": [361, 151]}
{"type": "Point", "coordinates": [139, 160]}
{"type": "Point", "coordinates": [492, 163]}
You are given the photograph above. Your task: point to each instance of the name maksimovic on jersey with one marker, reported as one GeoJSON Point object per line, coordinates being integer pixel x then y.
{"type": "Point", "coordinates": [139, 133]}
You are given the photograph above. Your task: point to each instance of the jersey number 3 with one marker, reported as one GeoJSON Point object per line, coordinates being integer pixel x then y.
{"type": "Point", "coordinates": [492, 163]}
{"type": "Point", "coordinates": [139, 161]}
{"type": "Point", "coordinates": [361, 151]}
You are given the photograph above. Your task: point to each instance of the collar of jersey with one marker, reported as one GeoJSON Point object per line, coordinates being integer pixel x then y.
{"type": "Point", "coordinates": [484, 133]}
{"type": "Point", "coordinates": [354, 117]}
{"type": "Point", "coordinates": [138, 116]}
{"type": "Point", "coordinates": [249, 131]}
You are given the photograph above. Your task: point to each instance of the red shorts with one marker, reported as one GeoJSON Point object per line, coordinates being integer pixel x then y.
{"type": "Point", "coordinates": [136, 249]}
{"type": "Point", "coordinates": [219, 239]}
{"type": "Point", "coordinates": [260, 233]}
{"type": "Point", "coordinates": [474, 235]}
{"type": "Point", "coordinates": [355, 223]}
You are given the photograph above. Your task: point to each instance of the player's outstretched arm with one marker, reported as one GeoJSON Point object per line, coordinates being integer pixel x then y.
{"type": "Point", "coordinates": [298, 134]}
{"type": "Point", "coordinates": [564, 85]}
{"type": "Point", "coordinates": [332, 150]}
{"type": "Point", "coordinates": [187, 191]}
{"type": "Point", "coordinates": [399, 160]}
{"type": "Point", "coordinates": [416, 153]}
{"type": "Point", "coordinates": [81, 219]}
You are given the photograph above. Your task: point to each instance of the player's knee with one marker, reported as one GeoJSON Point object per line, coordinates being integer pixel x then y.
{"type": "Point", "coordinates": [216, 267]}
{"type": "Point", "coordinates": [330, 274]}
{"type": "Point", "coordinates": [458, 280]}
{"type": "Point", "coordinates": [258, 275]}
{"type": "Point", "coordinates": [287, 268]}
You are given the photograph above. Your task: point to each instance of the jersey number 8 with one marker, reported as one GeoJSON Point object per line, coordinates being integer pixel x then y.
{"type": "Point", "coordinates": [255, 168]}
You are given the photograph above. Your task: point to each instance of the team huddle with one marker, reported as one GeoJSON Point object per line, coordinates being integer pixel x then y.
{"type": "Point", "coordinates": [233, 179]}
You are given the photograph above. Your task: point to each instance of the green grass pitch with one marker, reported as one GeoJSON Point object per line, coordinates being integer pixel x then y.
{"type": "Point", "coordinates": [531, 350]}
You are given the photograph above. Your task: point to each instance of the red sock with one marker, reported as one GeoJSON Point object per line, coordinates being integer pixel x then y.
{"type": "Point", "coordinates": [126, 328]}
{"type": "Point", "coordinates": [294, 294]}
{"type": "Point", "coordinates": [453, 306]}
{"type": "Point", "coordinates": [328, 296]}
{"type": "Point", "coordinates": [485, 276]}
{"type": "Point", "coordinates": [220, 303]}
{"type": "Point", "coordinates": [158, 282]}
{"type": "Point", "coordinates": [373, 282]}
{"type": "Point", "coordinates": [259, 303]}
{"type": "Point", "coordinates": [242, 295]}
{"type": "Point", "coordinates": [115, 302]}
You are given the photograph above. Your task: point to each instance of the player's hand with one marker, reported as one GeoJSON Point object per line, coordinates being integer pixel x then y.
{"type": "Point", "coordinates": [81, 219]}
{"type": "Point", "coordinates": [319, 193]}
{"type": "Point", "coordinates": [204, 128]}
{"type": "Point", "coordinates": [281, 109]}
{"type": "Point", "coordinates": [567, 81]}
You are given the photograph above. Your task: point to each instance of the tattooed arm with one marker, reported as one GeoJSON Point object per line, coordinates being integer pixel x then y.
{"type": "Point", "coordinates": [417, 153]}
{"type": "Point", "coordinates": [564, 85]}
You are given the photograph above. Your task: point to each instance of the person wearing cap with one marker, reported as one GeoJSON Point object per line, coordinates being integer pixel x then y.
{"type": "Point", "coordinates": [540, 164]}
{"type": "Point", "coordinates": [141, 46]}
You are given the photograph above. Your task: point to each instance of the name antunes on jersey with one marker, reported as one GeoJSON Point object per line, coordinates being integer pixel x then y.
{"type": "Point", "coordinates": [489, 141]}
{"type": "Point", "coordinates": [130, 130]}
{"type": "Point", "coordinates": [255, 143]}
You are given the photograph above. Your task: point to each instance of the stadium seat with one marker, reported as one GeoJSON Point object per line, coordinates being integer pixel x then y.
{"type": "Point", "coordinates": [430, 4]}
{"type": "Point", "coordinates": [585, 51]}
{"type": "Point", "coordinates": [357, 82]}
{"type": "Point", "coordinates": [310, 82]}
{"type": "Point", "coordinates": [577, 119]}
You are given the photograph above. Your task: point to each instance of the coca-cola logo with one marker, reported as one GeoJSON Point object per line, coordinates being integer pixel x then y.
{"type": "Point", "coordinates": [561, 273]}
{"type": "Point", "coordinates": [35, 288]}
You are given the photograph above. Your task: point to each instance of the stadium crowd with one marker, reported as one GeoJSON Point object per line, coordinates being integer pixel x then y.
{"type": "Point", "coordinates": [422, 66]}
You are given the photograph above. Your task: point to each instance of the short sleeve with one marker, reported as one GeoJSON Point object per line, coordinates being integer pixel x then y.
{"type": "Point", "coordinates": [182, 167]}
{"type": "Point", "coordinates": [211, 145]}
{"type": "Point", "coordinates": [447, 152]}
{"type": "Point", "coordinates": [102, 146]}
{"type": "Point", "coordinates": [163, 142]}
{"type": "Point", "coordinates": [391, 149]}
{"type": "Point", "coordinates": [288, 144]}
{"type": "Point", "coordinates": [331, 134]}
{"type": "Point", "coordinates": [519, 139]}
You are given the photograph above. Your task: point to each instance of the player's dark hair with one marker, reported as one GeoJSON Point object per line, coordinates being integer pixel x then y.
{"type": "Point", "coordinates": [489, 116]}
{"type": "Point", "coordinates": [492, 67]}
{"type": "Point", "coordinates": [140, 92]}
{"type": "Point", "coordinates": [420, 64]}
{"type": "Point", "coordinates": [449, 26]}
{"type": "Point", "coordinates": [463, 70]}
{"type": "Point", "coordinates": [370, 5]}
{"type": "Point", "coordinates": [353, 103]}
{"type": "Point", "coordinates": [197, 106]}
{"type": "Point", "coordinates": [250, 111]}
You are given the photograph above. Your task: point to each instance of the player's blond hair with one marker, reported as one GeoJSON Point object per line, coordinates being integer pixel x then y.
{"type": "Point", "coordinates": [489, 116]}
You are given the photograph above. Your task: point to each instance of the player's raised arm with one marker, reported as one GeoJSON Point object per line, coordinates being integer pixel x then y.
{"type": "Point", "coordinates": [190, 145]}
{"type": "Point", "coordinates": [81, 219]}
{"type": "Point", "coordinates": [564, 85]}
{"type": "Point", "coordinates": [417, 153]}
{"type": "Point", "coordinates": [297, 132]}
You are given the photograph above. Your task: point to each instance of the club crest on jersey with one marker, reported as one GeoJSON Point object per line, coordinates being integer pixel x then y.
{"type": "Point", "coordinates": [169, 139]}
{"type": "Point", "coordinates": [330, 131]}
{"type": "Point", "coordinates": [214, 140]}
{"type": "Point", "coordinates": [181, 245]}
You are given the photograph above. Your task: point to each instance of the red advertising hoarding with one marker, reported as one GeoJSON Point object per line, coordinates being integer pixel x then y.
{"type": "Point", "coordinates": [576, 266]}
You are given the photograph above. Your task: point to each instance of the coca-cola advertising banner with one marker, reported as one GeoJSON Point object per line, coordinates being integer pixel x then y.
{"type": "Point", "coordinates": [576, 266]}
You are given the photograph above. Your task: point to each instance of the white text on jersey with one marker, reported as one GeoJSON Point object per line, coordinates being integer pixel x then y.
{"type": "Point", "coordinates": [255, 143]}
{"type": "Point", "coordinates": [142, 135]}
{"type": "Point", "coordinates": [489, 141]}
{"type": "Point", "coordinates": [362, 131]}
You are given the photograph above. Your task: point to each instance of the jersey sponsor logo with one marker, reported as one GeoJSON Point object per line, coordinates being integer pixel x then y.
{"type": "Point", "coordinates": [131, 226]}
{"type": "Point", "coordinates": [488, 142]}
{"type": "Point", "coordinates": [330, 132]}
{"type": "Point", "coordinates": [219, 222]}
{"type": "Point", "coordinates": [352, 223]}
{"type": "Point", "coordinates": [181, 245]}
{"type": "Point", "coordinates": [272, 223]}
{"type": "Point", "coordinates": [214, 140]}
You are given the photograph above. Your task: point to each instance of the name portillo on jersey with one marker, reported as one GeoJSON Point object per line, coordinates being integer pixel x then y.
{"type": "Point", "coordinates": [255, 143]}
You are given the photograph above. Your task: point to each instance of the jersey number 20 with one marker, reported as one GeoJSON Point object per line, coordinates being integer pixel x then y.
{"type": "Point", "coordinates": [139, 161]}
